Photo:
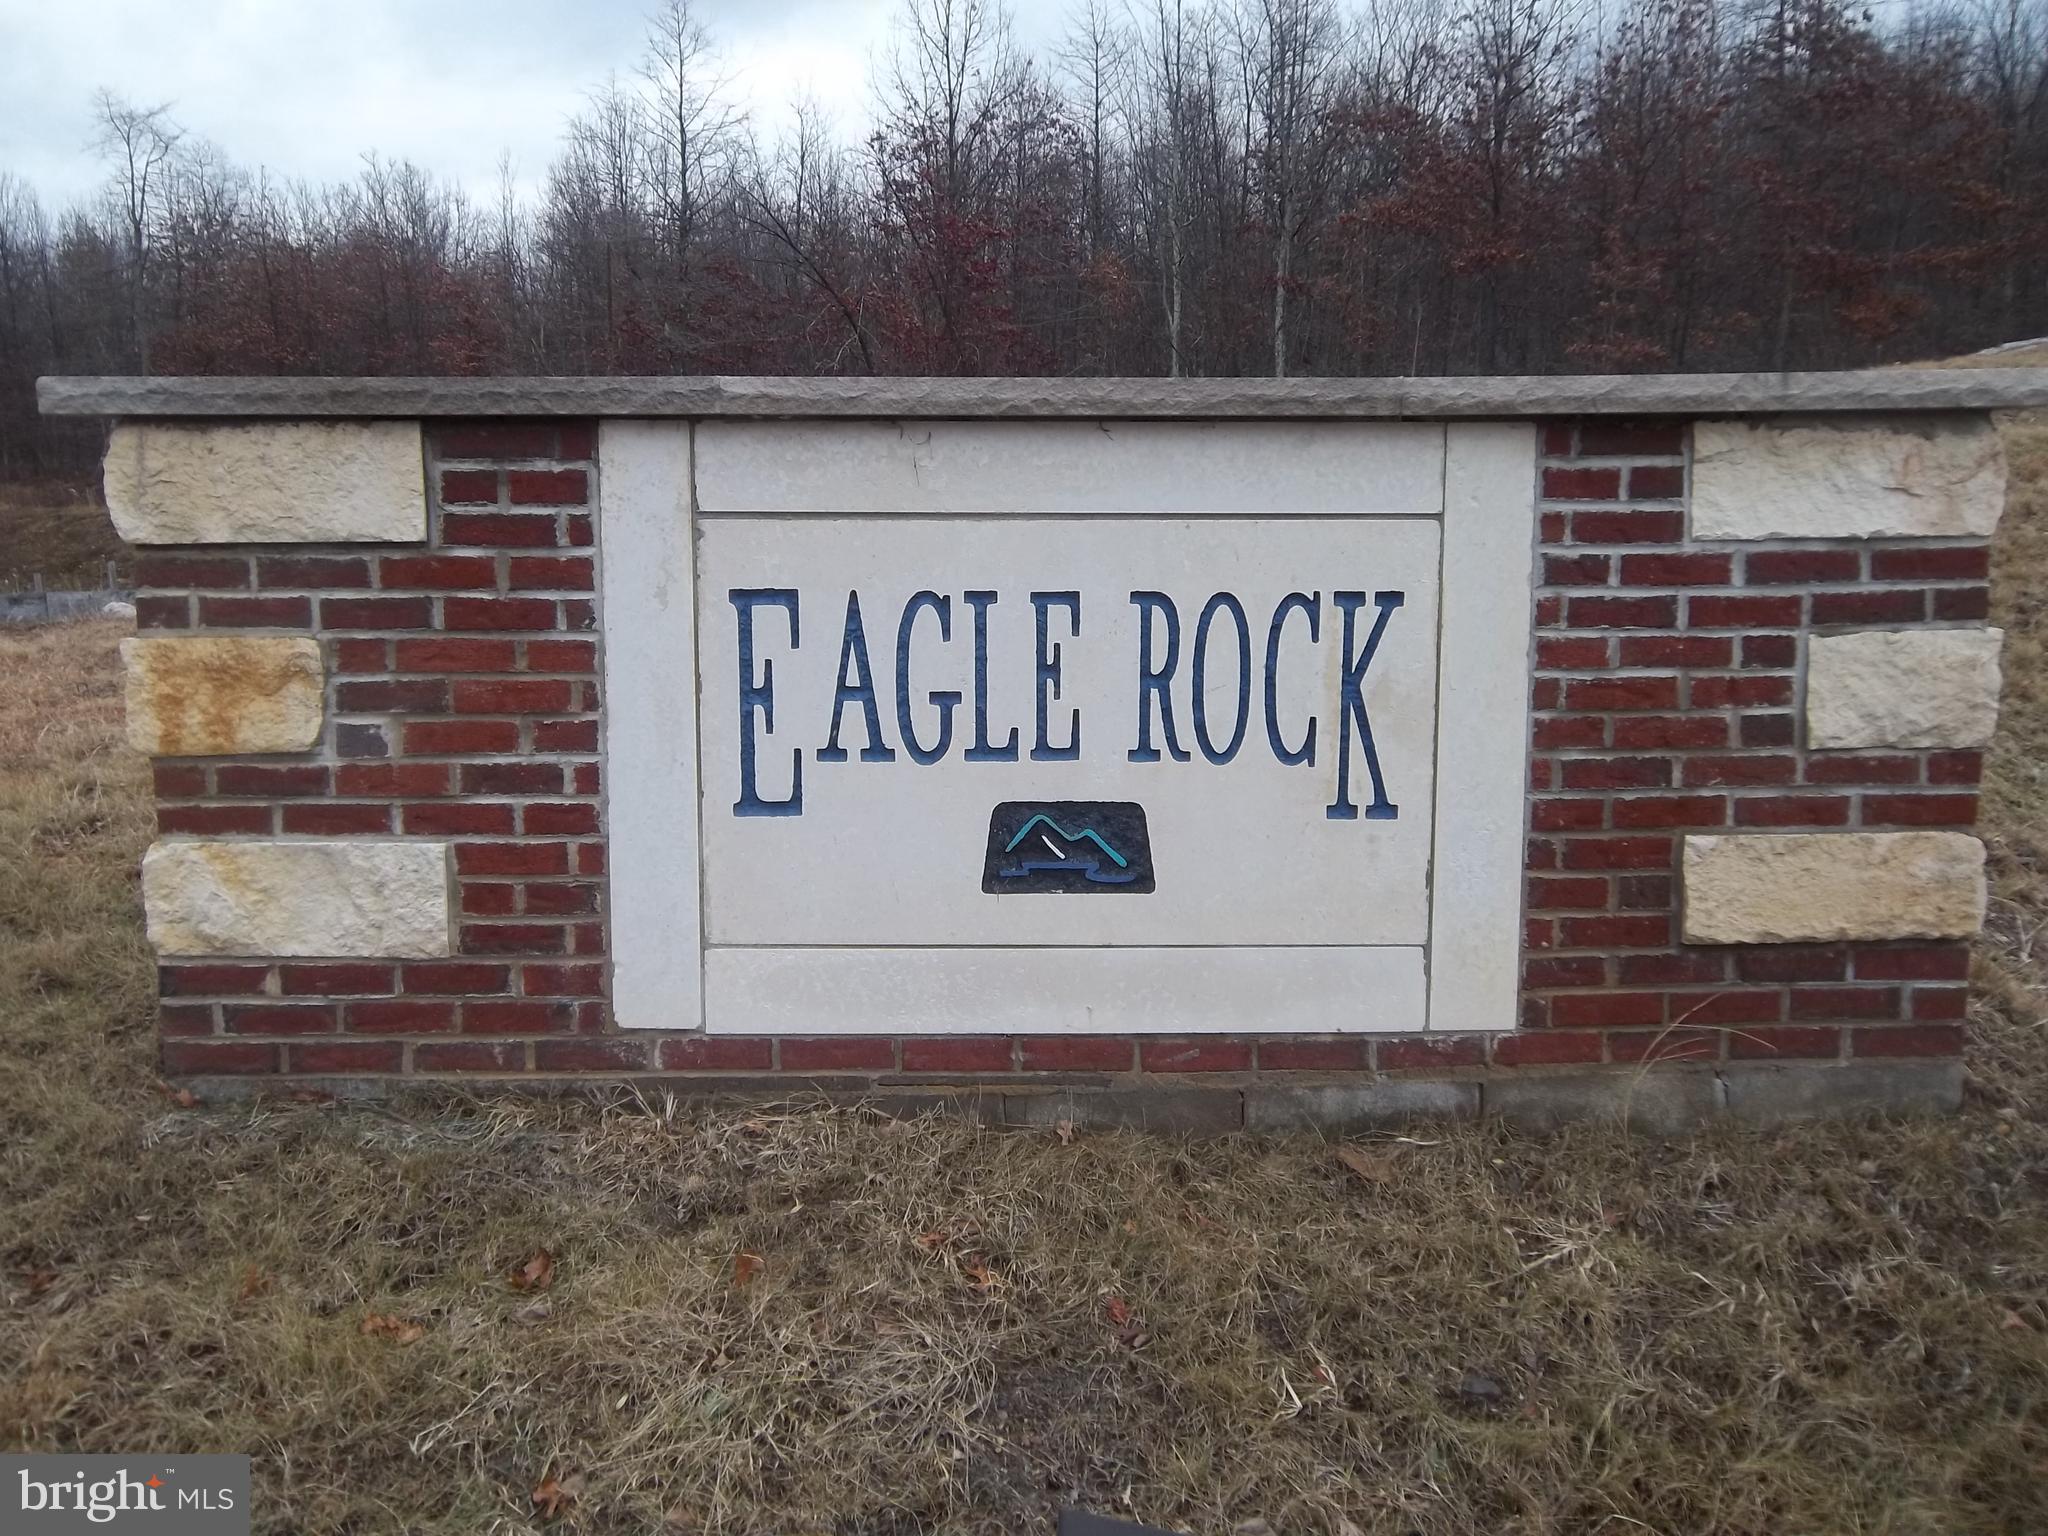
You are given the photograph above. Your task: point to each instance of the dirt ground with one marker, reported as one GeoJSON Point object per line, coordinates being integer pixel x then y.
{"type": "Point", "coordinates": [419, 1317]}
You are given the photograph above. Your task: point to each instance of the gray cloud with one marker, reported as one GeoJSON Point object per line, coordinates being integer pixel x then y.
{"type": "Point", "coordinates": [306, 90]}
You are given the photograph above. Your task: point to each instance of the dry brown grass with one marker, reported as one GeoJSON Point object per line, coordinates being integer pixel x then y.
{"type": "Point", "coordinates": [1837, 1328]}
{"type": "Point", "coordinates": [57, 529]}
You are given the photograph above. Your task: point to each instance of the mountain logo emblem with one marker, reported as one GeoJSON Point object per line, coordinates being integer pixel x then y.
{"type": "Point", "coordinates": [1071, 847]}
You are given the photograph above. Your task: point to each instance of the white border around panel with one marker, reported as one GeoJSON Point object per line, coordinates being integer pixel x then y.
{"type": "Point", "coordinates": [648, 587]}
{"type": "Point", "coordinates": [1183, 468]}
{"type": "Point", "coordinates": [1489, 550]}
{"type": "Point", "coordinates": [1026, 991]}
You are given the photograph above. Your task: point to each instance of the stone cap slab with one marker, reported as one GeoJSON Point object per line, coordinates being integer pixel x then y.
{"type": "Point", "coordinates": [1648, 394]}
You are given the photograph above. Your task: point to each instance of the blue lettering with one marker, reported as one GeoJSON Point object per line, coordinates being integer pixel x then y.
{"type": "Point", "coordinates": [1351, 706]}
{"type": "Point", "coordinates": [1049, 676]}
{"type": "Point", "coordinates": [858, 689]}
{"type": "Point", "coordinates": [943, 607]}
{"type": "Point", "coordinates": [1151, 682]}
{"type": "Point", "coordinates": [761, 696]}
{"type": "Point", "coordinates": [1313, 607]}
{"type": "Point", "coordinates": [1222, 602]}
{"type": "Point", "coordinates": [981, 751]}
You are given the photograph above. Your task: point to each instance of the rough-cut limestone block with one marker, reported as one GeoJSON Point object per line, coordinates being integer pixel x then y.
{"type": "Point", "coordinates": [215, 696]}
{"type": "Point", "coordinates": [1797, 887]}
{"type": "Point", "coordinates": [1903, 688]}
{"type": "Point", "coordinates": [288, 482]}
{"type": "Point", "coordinates": [383, 899]}
{"type": "Point", "coordinates": [1914, 476]}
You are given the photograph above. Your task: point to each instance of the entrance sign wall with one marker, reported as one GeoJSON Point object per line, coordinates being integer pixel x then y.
{"type": "Point", "coordinates": [1038, 623]}
{"type": "Point", "coordinates": [1192, 754]}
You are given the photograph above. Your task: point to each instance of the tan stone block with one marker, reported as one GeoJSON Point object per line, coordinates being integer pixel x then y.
{"type": "Point", "coordinates": [216, 696]}
{"type": "Point", "coordinates": [1903, 688]}
{"type": "Point", "coordinates": [1818, 886]}
{"type": "Point", "coordinates": [288, 482]}
{"type": "Point", "coordinates": [373, 899]}
{"type": "Point", "coordinates": [1856, 477]}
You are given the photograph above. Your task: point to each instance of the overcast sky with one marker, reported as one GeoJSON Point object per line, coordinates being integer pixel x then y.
{"type": "Point", "coordinates": [307, 88]}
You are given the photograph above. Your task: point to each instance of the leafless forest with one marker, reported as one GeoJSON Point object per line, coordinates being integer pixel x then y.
{"type": "Point", "coordinates": [1237, 187]}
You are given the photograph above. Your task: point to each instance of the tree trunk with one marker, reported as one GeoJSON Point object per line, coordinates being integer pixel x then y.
{"type": "Point", "coordinates": [1283, 250]}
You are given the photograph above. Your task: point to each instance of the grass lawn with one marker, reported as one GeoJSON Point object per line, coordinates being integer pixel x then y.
{"type": "Point", "coordinates": [796, 1319]}
{"type": "Point", "coordinates": [59, 531]}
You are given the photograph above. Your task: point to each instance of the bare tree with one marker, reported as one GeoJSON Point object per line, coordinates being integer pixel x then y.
{"type": "Point", "coordinates": [137, 143]}
{"type": "Point", "coordinates": [1291, 53]}
{"type": "Point", "coordinates": [1096, 56]}
{"type": "Point", "coordinates": [941, 161]}
{"type": "Point", "coordinates": [1515, 58]}
{"type": "Point", "coordinates": [2012, 60]}
{"type": "Point", "coordinates": [695, 129]}
{"type": "Point", "coordinates": [799, 202]}
{"type": "Point", "coordinates": [953, 68]}
{"type": "Point", "coordinates": [24, 255]}
{"type": "Point", "coordinates": [1197, 187]}
{"type": "Point", "coordinates": [1165, 118]}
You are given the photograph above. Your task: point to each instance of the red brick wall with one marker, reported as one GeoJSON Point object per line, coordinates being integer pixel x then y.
{"type": "Point", "coordinates": [464, 706]}
{"type": "Point", "coordinates": [1666, 701]}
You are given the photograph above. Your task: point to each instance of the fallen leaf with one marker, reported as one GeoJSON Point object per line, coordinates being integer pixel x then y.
{"type": "Point", "coordinates": [40, 1280]}
{"type": "Point", "coordinates": [1373, 1167]}
{"type": "Point", "coordinates": [399, 1330]}
{"type": "Point", "coordinates": [744, 1268]}
{"type": "Point", "coordinates": [1119, 1310]}
{"type": "Point", "coordinates": [185, 1098]}
{"type": "Point", "coordinates": [1130, 1227]}
{"type": "Point", "coordinates": [680, 1522]}
{"type": "Point", "coordinates": [254, 1282]}
{"type": "Point", "coordinates": [536, 1274]}
{"type": "Point", "coordinates": [975, 1268]}
{"type": "Point", "coordinates": [535, 1311]}
{"type": "Point", "coordinates": [2012, 1322]}
{"type": "Point", "coordinates": [556, 1494]}
{"type": "Point", "coordinates": [1065, 1131]}
{"type": "Point", "coordinates": [930, 1242]}
{"type": "Point", "coordinates": [1134, 1338]}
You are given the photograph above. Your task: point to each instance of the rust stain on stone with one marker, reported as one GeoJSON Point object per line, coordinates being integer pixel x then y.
{"type": "Point", "coordinates": [210, 697]}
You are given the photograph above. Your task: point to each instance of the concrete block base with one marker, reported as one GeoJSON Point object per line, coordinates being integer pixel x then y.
{"type": "Point", "coordinates": [1655, 1103]}
{"type": "Point", "coordinates": [1372, 1105]}
{"type": "Point", "coordinates": [1832, 1090]}
{"type": "Point", "coordinates": [1669, 1103]}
